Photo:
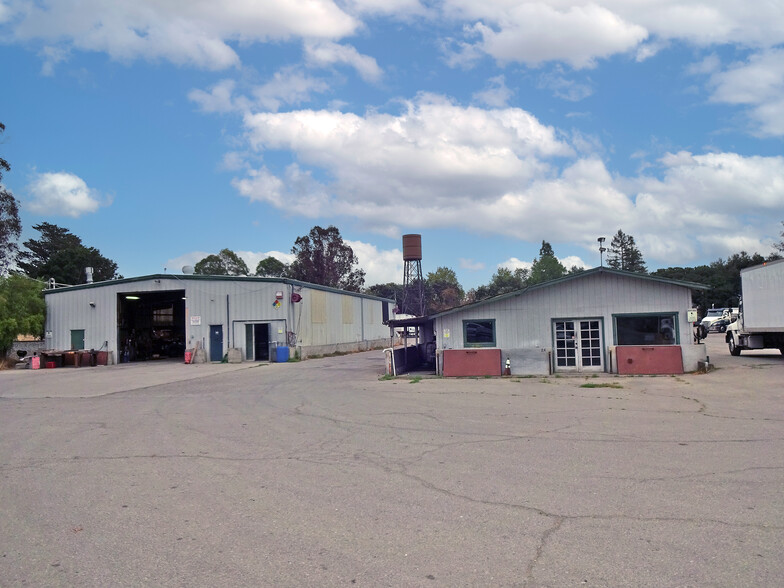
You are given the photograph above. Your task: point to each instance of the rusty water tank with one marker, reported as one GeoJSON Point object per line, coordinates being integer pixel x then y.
{"type": "Point", "coordinates": [412, 247]}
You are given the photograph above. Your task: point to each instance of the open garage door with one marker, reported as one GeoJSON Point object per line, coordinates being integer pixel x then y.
{"type": "Point", "coordinates": [151, 325]}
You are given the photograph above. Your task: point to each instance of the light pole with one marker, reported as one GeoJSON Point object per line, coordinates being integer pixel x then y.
{"type": "Point", "coordinates": [602, 249]}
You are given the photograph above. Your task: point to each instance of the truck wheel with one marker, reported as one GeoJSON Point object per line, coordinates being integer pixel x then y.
{"type": "Point", "coordinates": [734, 349]}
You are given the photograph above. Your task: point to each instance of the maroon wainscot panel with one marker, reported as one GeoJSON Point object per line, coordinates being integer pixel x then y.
{"type": "Point", "coordinates": [472, 362]}
{"type": "Point", "coordinates": [649, 360]}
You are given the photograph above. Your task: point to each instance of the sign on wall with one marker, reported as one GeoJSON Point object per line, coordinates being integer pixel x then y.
{"type": "Point", "coordinates": [195, 321]}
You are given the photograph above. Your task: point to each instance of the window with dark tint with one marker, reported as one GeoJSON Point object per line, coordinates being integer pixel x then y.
{"type": "Point", "coordinates": [163, 316]}
{"type": "Point", "coordinates": [479, 333]}
{"type": "Point", "coordinates": [651, 329]}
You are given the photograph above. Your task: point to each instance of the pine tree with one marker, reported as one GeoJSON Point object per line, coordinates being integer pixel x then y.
{"type": "Point", "coordinates": [546, 267]}
{"type": "Point", "coordinates": [623, 254]}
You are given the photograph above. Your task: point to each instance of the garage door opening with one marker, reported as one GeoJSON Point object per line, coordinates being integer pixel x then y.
{"type": "Point", "coordinates": [151, 325]}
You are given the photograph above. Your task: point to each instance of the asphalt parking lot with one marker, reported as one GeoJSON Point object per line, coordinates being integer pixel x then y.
{"type": "Point", "coordinates": [320, 473]}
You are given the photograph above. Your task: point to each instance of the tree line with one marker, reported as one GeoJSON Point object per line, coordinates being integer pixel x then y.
{"type": "Point", "coordinates": [323, 257]}
{"type": "Point", "coordinates": [722, 275]}
{"type": "Point", "coordinates": [320, 257]}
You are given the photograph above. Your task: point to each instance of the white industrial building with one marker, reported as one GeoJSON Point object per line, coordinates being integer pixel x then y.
{"type": "Point", "coordinates": [163, 315]}
{"type": "Point", "coordinates": [599, 320]}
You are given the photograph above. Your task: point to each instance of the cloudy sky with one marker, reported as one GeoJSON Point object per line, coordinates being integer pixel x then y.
{"type": "Point", "coordinates": [161, 131]}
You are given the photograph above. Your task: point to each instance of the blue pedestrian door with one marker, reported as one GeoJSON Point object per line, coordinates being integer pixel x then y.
{"type": "Point", "coordinates": [216, 342]}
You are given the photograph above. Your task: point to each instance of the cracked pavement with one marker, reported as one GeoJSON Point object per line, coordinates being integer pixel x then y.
{"type": "Point", "coordinates": [320, 474]}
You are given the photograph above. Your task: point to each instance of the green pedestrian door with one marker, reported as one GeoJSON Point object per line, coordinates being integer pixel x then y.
{"type": "Point", "coordinates": [77, 339]}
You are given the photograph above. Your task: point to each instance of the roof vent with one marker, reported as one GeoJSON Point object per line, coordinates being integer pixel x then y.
{"type": "Point", "coordinates": [187, 269]}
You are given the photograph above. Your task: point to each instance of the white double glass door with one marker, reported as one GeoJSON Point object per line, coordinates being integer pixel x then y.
{"type": "Point", "coordinates": [578, 346]}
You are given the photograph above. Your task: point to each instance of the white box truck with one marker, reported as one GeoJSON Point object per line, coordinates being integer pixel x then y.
{"type": "Point", "coordinates": [760, 323]}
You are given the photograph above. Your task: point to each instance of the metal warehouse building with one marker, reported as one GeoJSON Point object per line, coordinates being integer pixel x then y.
{"type": "Point", "coordinates": [599, 320]}
{"type": "Point", "coordinates": [163, 315]}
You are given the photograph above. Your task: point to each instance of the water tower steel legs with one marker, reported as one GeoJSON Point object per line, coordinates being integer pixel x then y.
{"type": "Point", "coordinates": [413, 288]}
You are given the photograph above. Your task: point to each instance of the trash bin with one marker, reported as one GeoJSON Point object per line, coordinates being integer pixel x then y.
{"type": "Point", "coordinates": [282, 354]}
{"type": "Point", "coordinates": [88, 358]}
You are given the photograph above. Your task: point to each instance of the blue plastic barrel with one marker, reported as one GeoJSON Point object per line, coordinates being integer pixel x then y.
{"type": "Point", "coordinates": [282, 354]}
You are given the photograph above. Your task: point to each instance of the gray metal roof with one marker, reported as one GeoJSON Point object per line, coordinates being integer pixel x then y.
{"type": "Point", "coordinates": [410, 322]}
{"type": "Point", "coordinates": [197, 277]}
{"type": "Point", "coordinates": [570, 277]}
{"type": "Point", "coordinates": [767, 263]}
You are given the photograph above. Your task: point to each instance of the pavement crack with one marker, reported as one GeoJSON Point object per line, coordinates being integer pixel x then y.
{"type": "Point", "coordinates": [702, 405]}
{"type": "Point", "coordinates": [703, 474]}
{"type": "Point", "coordinates": [598, 517]}
{"type": "Point", "coordinates": [543, 541]}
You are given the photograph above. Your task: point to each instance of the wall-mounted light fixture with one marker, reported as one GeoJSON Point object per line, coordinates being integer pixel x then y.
{"type": "Point", "coordinates": [92, 304]}
{"type": "Point", "coordinates": [132, 298]}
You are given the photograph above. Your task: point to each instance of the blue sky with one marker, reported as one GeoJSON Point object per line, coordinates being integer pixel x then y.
{"type": "Point", "coordinates": [160, 132]}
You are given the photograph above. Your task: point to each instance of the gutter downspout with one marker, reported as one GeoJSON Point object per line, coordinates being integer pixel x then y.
{"type": "Point", "coordinates": [362, 316]}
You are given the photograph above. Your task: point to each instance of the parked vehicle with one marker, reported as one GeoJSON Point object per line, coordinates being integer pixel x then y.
{"type": "Point", "coordinates": [720, 326]}
{"type": "Point", "coordinates": [715, 314]}
{"type": "Point", "coordinates": [761, 321]}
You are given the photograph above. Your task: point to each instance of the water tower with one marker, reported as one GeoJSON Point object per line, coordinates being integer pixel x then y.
{"type": "Point", "coordinates": [413, 284]}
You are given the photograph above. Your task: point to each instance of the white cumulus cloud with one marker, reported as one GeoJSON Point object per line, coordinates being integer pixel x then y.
{"type": "Point", "coordinates": [290, 86]}
{"type": "Point", "coordinates": [327, 53]}
{"type": "Point", "coordinates": [495, 94]}
{"type": "Point", "coordinates": [437, 164]}
{"type": "Point", "coordinates": [580, 32]}
{"type": "Point", "coordinates": [726, 198]}
{"type": "Point", "coordinates": [396, 8]}
{"type": "Point", "coordinates": [757, 83]}
{"type": "Point", "coordinates": [219, 98]}
{"type": "Point", "coordinates": [62, 193]}
{"type": "Point", "coordinates": [514, 263]}
{"type": "Point", "coordinates": [470, 264]}
{"type": "Point", "coordinates": [534, 33]}
{"type": "Point", "coordinates": [381, 266]}
{"type": "Point", "coordinates": [197, 33]}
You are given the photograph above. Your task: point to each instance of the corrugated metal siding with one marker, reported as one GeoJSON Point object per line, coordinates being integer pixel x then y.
{"type": "Point", "coordinates": [72, 310]}
{"type": "Point", "coordinates": [348, 311]}
{"type": "Point", "coordinates": [249, 301]}
{"type": "Point", "coordinates": [318, 307]}
{"type": "Point", "coordinates": [525, 321]}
